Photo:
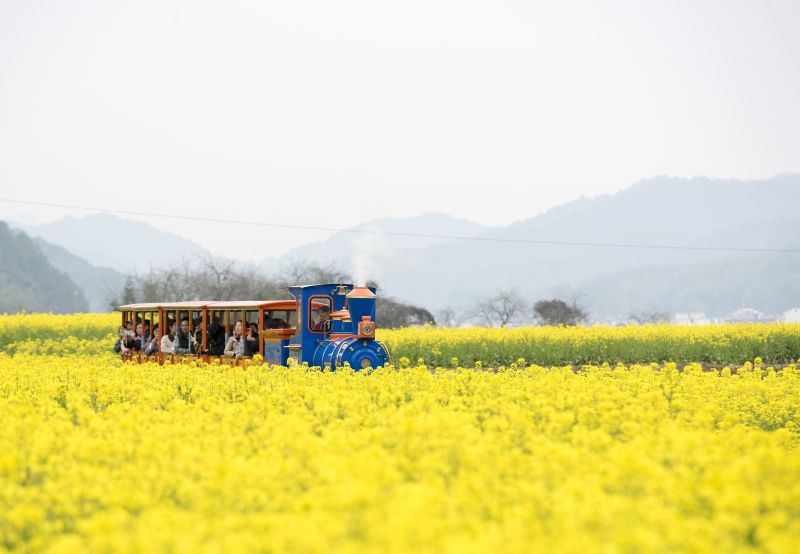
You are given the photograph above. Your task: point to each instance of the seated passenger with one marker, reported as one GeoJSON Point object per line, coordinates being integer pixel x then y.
{"type": "Point", "coordinates": [168, 340]}
{"type": "Point", "coordinates": [251, 341]}
{"type": "Point", "coordinates": [216, 338]}
{"type": "Point", "coordinates": [145, 336]}
{"type": "Point", "coordinates": [140, 339]}
{"type": "Point", "coordinates": [152, 345]}
{"type": "Point", "coordinates": [119, 346]}
{"type": "Point", "coordinates": [323, 323]}
{"type": "Point", "coordinates": [127, 342]}
{"type": "Point", "coordinates": [233, 349]}
{"type": "Point", "coordinates": [276, 323]}
{"type": "Point", "coordinates": [184, 339]}
{"type": "Point", "coordinates": [198, 330]}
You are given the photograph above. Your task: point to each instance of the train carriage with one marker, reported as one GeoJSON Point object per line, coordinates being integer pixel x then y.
{"type": "Point", "coordinates": [327, 326]}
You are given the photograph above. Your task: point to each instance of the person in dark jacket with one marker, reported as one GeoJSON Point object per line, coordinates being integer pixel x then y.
{"type": "Point", "coordinates": [215, 338]}
{"type": "Point", "coordinates": [126, 342]}
{"type": "Point", "coordinates": [251, 340]}
{"type": "Point", "coordinates": [152, 345]}
{"type": "Point", "coordinates": [184, 339]}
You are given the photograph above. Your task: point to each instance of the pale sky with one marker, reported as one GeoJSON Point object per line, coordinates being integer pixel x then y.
{"type": "Point", "coordinates": [334, 113]}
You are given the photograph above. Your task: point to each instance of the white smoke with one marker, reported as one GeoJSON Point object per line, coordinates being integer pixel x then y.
{"type": "Point", "coordinates": [366, 258]}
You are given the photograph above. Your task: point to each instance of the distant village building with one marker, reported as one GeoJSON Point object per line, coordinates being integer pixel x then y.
{"type": "Point", "coordinates": [691, 318]}
{"type": "Point", "coordinates": [746, 315]}
{"type": "Point", "coordinates": [792, 316]}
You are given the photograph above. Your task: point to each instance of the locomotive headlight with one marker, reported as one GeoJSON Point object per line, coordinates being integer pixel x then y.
{"type": "Point", "coordinates": [366, 328]}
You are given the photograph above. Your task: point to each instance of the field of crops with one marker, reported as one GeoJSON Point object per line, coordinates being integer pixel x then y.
{"type": "Point", "coordinates": [97, 456]}
{"type": "Point", "coordinates": [775, 343]}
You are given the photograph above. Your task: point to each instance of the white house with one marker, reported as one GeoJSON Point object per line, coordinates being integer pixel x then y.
{"type": "Point", "coordinates": [745, 315]}
{"type": "Point", "coordinates": [792, 316]}
{"type": "Point", "coordinates": [691, 318]}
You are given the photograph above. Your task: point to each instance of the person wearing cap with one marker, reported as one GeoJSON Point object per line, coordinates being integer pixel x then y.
{"type": "Point", "coordinates": [323, 323]}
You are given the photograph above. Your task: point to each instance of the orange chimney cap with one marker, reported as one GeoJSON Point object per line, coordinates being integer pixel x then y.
{"type": "Point", "coordinates": [360, 292]}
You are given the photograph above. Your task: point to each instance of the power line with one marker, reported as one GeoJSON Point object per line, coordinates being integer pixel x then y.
{"type": "Point", "coordinates": [400, 234]}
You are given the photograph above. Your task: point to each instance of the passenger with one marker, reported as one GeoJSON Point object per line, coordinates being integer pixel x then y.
{"type": "Point", "coordinates": [168, 340]}
{"type": "Point", "coordinates": [119, 346]}
{"type": "Point", "coordinates": [216, 338]}
{"type": "Point", "coordinates": [323, 323]}
{"type": "Point", "coordinates": [184, 339]}
{"type": "Point", "coordinates": [251, 340]}
{"type": "Point", "coordinates": [126, 342]}
{"type": "Point", "coordinates": [151, 348]}
{"type": "Point", "coordinates": [233, 349]}
{"type": "Point", "coordinates": [198, 335]}
{"type": "Point", "coordinates": [133, 340]}
{"type": "Point", "coordinates": [276, 323]}
{"type": "Point", "coordinates": [144, 336]}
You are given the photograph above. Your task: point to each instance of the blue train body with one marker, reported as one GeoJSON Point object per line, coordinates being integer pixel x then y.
{"type": "Point", "coordinates": [336, 327]}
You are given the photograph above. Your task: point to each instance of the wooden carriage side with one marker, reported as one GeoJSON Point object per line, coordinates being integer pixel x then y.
{"type": "Point", "coordinates": [273, 339]}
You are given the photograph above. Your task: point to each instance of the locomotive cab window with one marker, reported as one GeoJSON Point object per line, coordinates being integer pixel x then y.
{"type": "Point", "coordinates": [319, 314]}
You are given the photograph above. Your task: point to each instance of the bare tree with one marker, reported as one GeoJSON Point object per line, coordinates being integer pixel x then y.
{"type": "Point", "coordinates": [206, 279]}
{"type": "Point", "coordinates": [304, 272]}
{"type": "Point", "coordinates": [505, 308]}
{"type": "Point", "coordinates": [650, 316]}
{"type": "Point", "coordinates": [454, 317]}
{"type": "Point", "coordinates": [218, 277]}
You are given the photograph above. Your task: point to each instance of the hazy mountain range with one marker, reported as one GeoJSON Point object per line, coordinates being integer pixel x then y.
{"type": "Point", "coordinates": [29, 282]}
{"type": "Point", "coordinates": [609, 278]}
{"type": "Point", "coordinates": [611, 281]}
{"type": "Point", "coordinates": [100, 285]}
{"type": "Point", "coordinates": [115, 242]}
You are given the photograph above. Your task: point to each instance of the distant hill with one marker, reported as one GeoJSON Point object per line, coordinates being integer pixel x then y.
{"type": "Point", "coordinates": [769, 282]}
{"type": "Point", "coordinates": [661, 211]}
{"type": "Point", "coordinates": [114, 242]}
{"type": "Point", "coordinates": [99, 284]}
{"type": "Point", "coordinates": [29, 282]}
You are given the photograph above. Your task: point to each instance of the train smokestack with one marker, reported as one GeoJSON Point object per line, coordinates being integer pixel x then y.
{"type": "Point", "coordinates": [360, 304]}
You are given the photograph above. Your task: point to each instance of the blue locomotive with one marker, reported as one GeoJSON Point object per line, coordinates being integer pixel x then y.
{"type": "Point", "coordinates": [327, 326]}
{"type": "Point", "coordinates": [336, 326]}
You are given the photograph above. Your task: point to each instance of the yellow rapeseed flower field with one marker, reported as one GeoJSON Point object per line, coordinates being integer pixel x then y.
{"type": "Point", "coordinates": [775, 343]}
{"type": "Point", "coordinates": [100, 456]}
{"type": "Point", "coordinates": [731, 343]}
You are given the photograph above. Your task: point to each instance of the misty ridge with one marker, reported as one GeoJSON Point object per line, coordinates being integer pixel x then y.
{"type": "Point", "coordinates": [456, 280]}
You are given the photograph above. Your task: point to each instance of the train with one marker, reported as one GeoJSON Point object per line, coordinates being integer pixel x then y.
{"type": "Point", "coordinates": [329, 326]}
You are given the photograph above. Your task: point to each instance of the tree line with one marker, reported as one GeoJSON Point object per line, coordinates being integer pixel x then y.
{"type": "Point", "coordinates": [508, 308]}
{"type": "Point", "coordinates": [210, 278]}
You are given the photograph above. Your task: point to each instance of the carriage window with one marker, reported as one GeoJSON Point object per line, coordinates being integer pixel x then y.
{"type": "Point", "coordinates": [252, 316]}
{"type": "Point", "coordinates": [319, 314]}
{"type": "Point", "coordinates": [170, 315]}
